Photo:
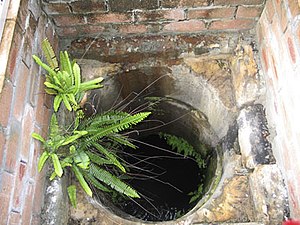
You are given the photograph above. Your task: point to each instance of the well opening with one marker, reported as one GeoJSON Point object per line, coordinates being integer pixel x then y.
{"type": "Point", "coordinates": [167, 180]}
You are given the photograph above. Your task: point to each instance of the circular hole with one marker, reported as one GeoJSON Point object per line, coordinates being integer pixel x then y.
{"type": "Point", "coordinates": [170, 182]}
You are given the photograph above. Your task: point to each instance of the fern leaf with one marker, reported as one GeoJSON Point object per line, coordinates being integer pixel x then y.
{"type": "Point", "coordinates": [72, 195]}
{"type": "Point", "coordinates": [121, 140]}
{"type": "Point", "coordinates": [66, 102]}
{"type": "Point", "coordinates": [82, 181]}
{"type": "Point", "coordinates": [38, 137]}
{"type": "Point", "coordinates": [90, 178]}
{"type": "Point", "coordinates": [56, 103]}
{"type": "Point", "coordinates": [122, 125]}
{"type": "Point", "coordinates": [98, 159]}
{"type": "Point", "coordinates": [110, 156]}
{"type": "Point", "coordinates": [54, 128]}
{"type": "Point", "coordinates": [43, 65]}
{"type": "Point", "coordinates": [53, 86]}
{"type": "Point", "coordinates": [77, 81]}
{"type": "Point", "coordinates": [49, 54]}
{"type": "Point", "coordinates": [82, 160]}
{"type": "Point", "coordinates": [113, 181]}
{"type": "Point", "coordinates": [42, 160]}
{"type": "Point", "coordinates": [57, 166]}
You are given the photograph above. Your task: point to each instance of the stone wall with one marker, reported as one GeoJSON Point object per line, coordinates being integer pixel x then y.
{"type": "Point", "coordinates": [123, 17]}
{"type": "Point", "coordinates": [24, 109]}
{"type": "Point", "coordinates": [278, 34]}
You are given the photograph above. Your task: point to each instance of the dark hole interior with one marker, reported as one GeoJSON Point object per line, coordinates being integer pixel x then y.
{"type": "Point", "coordinates": [163, 177]}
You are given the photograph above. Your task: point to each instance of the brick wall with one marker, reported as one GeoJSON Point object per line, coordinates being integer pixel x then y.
{"type": "Point", "coordinates": [278, 34]}
{"type": "Point", "coordinates": [24, 108]}
{"type": "Point", "coordinates": [121, 17]}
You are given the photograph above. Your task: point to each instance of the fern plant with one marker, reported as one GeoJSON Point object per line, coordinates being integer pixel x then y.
{"type": "Point", "coordinates": [86, 147]}
{"type": "Point", "coordinates": [183, 147]}
{"type": "Point", "coordinates": [64, 79]}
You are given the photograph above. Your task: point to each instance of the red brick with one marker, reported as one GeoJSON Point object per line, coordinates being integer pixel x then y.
{"type": "Point", "coordinates": [4, 208]}
{"type": "Point", "coordinates": [5, 102]}
{"type": "Point", "coordinates": [7, 184]}
{"type": "Point", "coordinates": [238, 24]}
{"type": "Point", "coordinates": [265, 59]}
{"type": "Point", "coordinates": [294, 7]}
{"type": "Point", "coordinates": [28, 41]}
{"type": "Point", "coordinates": [46, 119]}
{"type": "Point", "coordinates": [33, 162]}
{"type": "Point", "coordinates": [39, 108]}
{"type": "Point", "coordinates": [90, 29]}
{"type": "Point", "coordinates": [27, 129]}
{"type": "Point", "coordinates": [2, 146]}
{"type": "Point", "coordinates": [270, 10]}
{"type": "Point", "coordinates": [14, 54]}
{"type": "Point", "coordinates": [28, 206]}
{"type": "Point", "coordinates": [34, 77]}
{"type": "Point", "coordinates": [87, 6]}
{"type": "Point", "coordinates": [22, 14]}
{"type": "Point", "coordinates": [22, 76]}
{"type": "Point", "coordinates": [128, 5]}
{"type": "Point", "coordinates": [248, 12]}
{"type": "Point", "coordinates": [281, 12]}
{"type": "Point", "coordinates": [38, 196]}
{"type": "Point", "coordinates": [160, 15]}
{"type": "Point", "coordinates": [100, 18]}
{"type": "Point", "coordinates": [20, 187]}
{"type": "Point", "coordinates": [13, 147]}
{"type": "Point", "coordinates": [211, 13]}
{"type": "Point", "coordinates": [35, 8]}
{"type": "Point", "coordinates": [14, 218]}
{"type": "Point", "coordinates": [238, 2]}
{"type": "Point", "coordinates": [56, 8]}
{"type": "Point", "coordinates": [68, 20]}
{"type": "Point", "coordinates": [291, 48]}
{"type": "Point", "coordinates": [49, 33]}
{"type": "Point", "coordinates": [133, 29]}
{"type": "Point", "coordinates": [185, 26]}
{"type": "Point", "coordinates": [67, 31]}
{"type": "Point", "coordinates": [184, 3]}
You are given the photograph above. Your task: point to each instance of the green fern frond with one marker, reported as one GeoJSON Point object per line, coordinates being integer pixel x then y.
{"type": "Point", "coordinates": [95, 158]}
{"type": "Point", "coordinates": [103, 119]}
{"type": "Point", "coordinates": [122, 140]}
{"type": "Point", "coordinates": [65, 64]}
{"type": "Point", "coordinates": [110, 156]}
{"type": "Point", "coordinates": [183, 147]}
{"type": "Point", "coordinates": [72, 195]}
{"type": "Point", "coordinates": [113, 181]}
{"type": "Point", "coordinates": [90, 178]}
{"type": "Point", "coordinates": [49, 54]}
{"type": "Point", "coordinates": [125, 123]}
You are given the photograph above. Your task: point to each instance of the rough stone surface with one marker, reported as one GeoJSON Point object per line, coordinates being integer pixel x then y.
{"type": "Point", "coordinates": [252, 135]}
{"type": "Point", "coordinates": [270, 201]}
{"type": "Point", "coordinates": [55, 210]}
{"type": "Point", "coordinates": [245, 77]}
{"type": "Point", "coordinates": [217, 72]}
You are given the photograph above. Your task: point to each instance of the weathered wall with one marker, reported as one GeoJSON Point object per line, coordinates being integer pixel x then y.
{"type": "Point", "coordinates": [123, 17]}
{"type": "Point", "coordinates": [278, 33]}
{"type": "Point", "coordinates": [24, 108]}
